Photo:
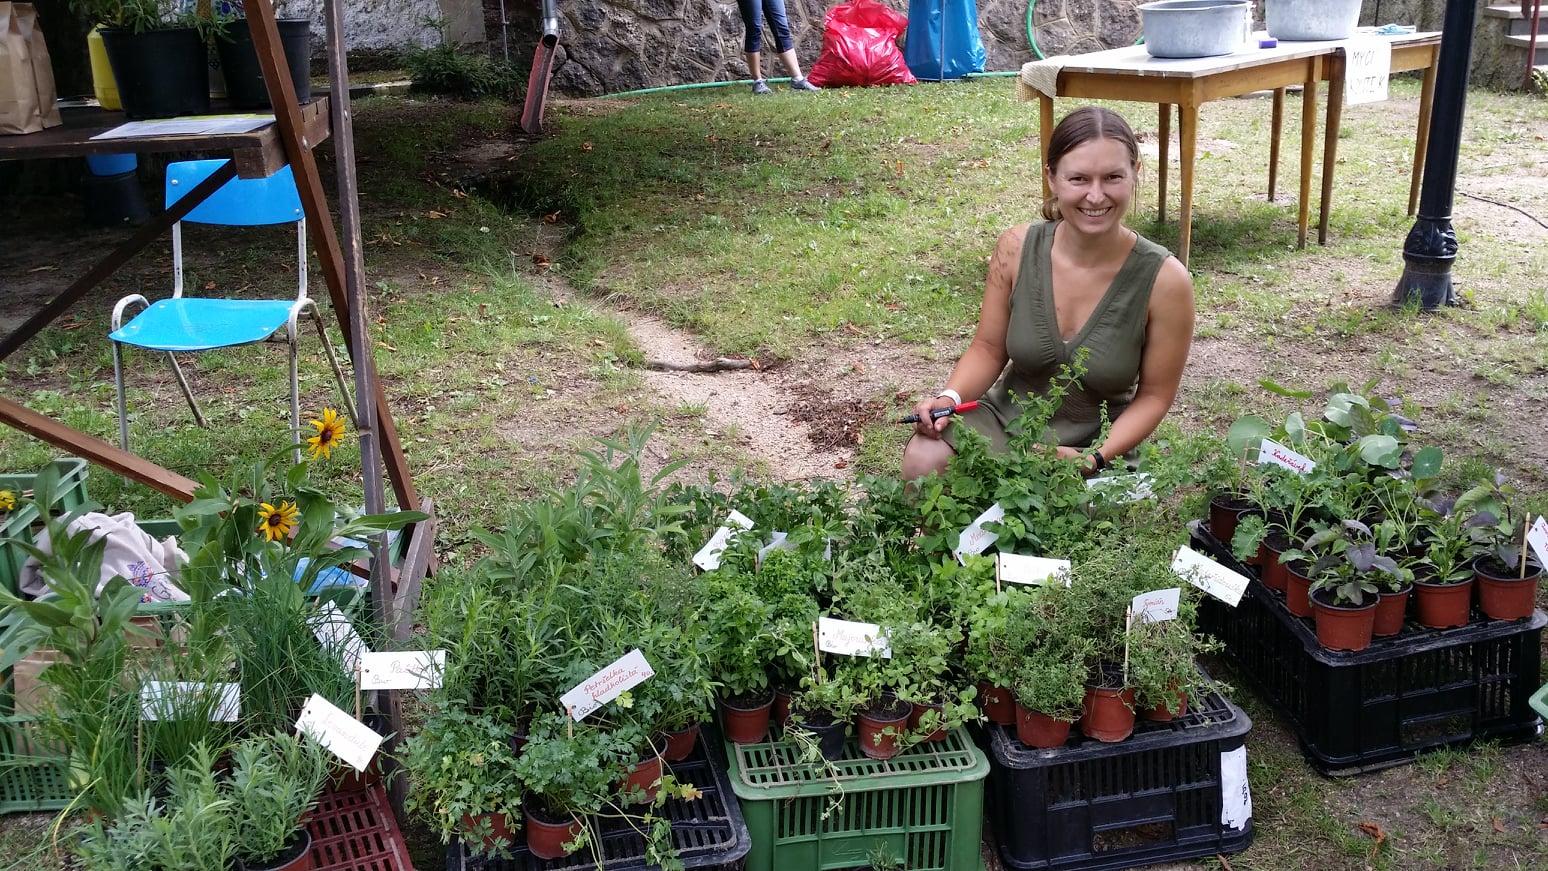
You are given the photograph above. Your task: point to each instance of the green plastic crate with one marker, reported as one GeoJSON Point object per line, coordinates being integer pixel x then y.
{"type": "Point", "coordinates": [24, 521]}
{"type": "Point", "coordinates": [31, 778]}
{"type": "Point", "coordinates": [1539, 701]}
{"type": "Point", "coordinates": [924, 806]}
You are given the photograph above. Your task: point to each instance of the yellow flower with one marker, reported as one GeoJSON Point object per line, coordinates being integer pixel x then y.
{"type": "Point", "coordinates": [7, 501]}
{"type": "Point", "coordinates": [276, 523]}
{"type": "Point", "coordinates": [330, 431]}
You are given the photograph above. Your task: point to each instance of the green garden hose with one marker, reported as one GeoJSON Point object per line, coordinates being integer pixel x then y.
{"type": "Point", "coordinates": [1032, 32]}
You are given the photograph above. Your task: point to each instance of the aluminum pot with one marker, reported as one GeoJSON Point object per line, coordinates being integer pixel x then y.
{"type": "Point", "coordinates": [1194, 28]}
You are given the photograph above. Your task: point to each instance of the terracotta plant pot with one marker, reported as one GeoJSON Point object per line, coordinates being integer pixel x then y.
{"type": "Point", "coordinates": [887, 715]}
{"type": "Point", "coordinates": [1505, 595]}
{"type": "Point", "coordinates": [781, 710]}
{"type": "Point", "coordinates": [997, 704]}
{"type": "Point", "coordinates": [917, 714]}
{"type": "Point", "coordinates": [1107, 714]}
{"type": "Point", "coordinates": [746, 719]}
{"type": "Point", "coordinates": [679, 745]}
{"type": "Point", "coordinates": [824, 729]}
{"type": "Point", "coordinates": [1039, 730]}
{"type": "Point", "coordinates": [296, 857]}
{"type": "Point", "coordinates": [1341, 627]}
{"type": "Point", "coordinates": [1225, 511]}
{"type": "Point", "coordinates": [1442, 606]}
{"type": "Point", "coordinates": [1391, 610]}
{"type": "Point", "coordinates": [1297, 591]}
{"type": "Point", "coordinates": [645, 776]}
{"type": "Point", "coordinates": [547, 835]}
{"type": "Point", "coordinates": [1271, 571]}
{"type": "Point", "coordinates": [500, 833]}
{"type": "Point", "coordinates": [1164, 712]}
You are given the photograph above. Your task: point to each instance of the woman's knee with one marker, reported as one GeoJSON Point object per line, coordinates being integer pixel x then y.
{"type": "Point", "coordinates": [924, 456]}
{"type": "Point", "coordinates": [752, 22]}
{"type": "Point", "coordinates": [779, 22]}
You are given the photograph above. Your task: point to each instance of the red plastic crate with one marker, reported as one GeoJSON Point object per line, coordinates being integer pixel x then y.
{"type": "Point", "coordinates": [355, 830]}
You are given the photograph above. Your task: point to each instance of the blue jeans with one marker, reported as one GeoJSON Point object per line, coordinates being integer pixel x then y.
{"type": "Point", "coordinates": [775, 10]}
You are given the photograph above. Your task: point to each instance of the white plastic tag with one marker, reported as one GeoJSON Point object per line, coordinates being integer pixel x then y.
{"type": "Point", "coordinates": [1272, 452]}
{"type": "Point", "coordinates": [708, 557]}
{"type": "Point", "coordinates": [336, 634]}
{"type": "Point", "coordinates": [1156, 606]}
{"type": "Point", "coordinates": [1209, 576]}
{"type": "Point", "coordinates": [413, 670]}
{"type": "Point", "coordinates": [168, 700]}
{"type": "Point", "coordinates": [1123, 488]}
{"type": "Point", "coordinates": [975, 539]}
{"type": "Point", "coordinates": [343, 735]}
{"type": "Point", "coordinates": [622, 675]}
{"type": "Point", "coordinates": [850, 638]}
{"type": "Point", "coordinates": [1235, 794]}
{"type": "Point", "coordinates": [1013, 568]}
{"type": "Point", "coordinates": [1537, 537]}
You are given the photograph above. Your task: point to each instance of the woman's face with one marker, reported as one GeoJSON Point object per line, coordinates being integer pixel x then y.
{"type": "Point", "coordinates": [1094, 184]}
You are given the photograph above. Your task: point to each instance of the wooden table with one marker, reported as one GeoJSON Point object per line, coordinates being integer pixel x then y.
{"type": "Point", "coordinates": [1130, 73]}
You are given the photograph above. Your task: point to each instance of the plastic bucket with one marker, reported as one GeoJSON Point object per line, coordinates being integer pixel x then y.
{"type": "Point", "coordinates": [1194, 28]}
{"type": "Point", "coordinates": [1306, 20]}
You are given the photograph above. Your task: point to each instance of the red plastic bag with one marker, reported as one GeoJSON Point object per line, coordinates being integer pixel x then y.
{"type": "Point", "coordinates": [860, 47]}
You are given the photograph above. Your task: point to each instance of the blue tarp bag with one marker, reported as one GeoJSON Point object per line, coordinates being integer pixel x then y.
{"type": "Point", "coordinates": [964, 49]}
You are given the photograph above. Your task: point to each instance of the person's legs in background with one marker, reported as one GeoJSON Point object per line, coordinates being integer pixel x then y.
{"type": "Point", "coordinates": [752, 21]}
{"type": "Point", "coordinates": [775, 10]}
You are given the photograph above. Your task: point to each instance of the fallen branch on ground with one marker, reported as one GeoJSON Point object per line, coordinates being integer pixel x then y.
{"type": "Point", "coordinates": [720, 364]}
{"type": "Point", "coordinates": [1518, 209]}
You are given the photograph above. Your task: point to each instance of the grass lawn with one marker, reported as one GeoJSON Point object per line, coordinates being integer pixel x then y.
{"type": "Point", "coordinates": [841, 239]}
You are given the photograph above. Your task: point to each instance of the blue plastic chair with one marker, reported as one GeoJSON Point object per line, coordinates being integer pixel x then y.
{"type": "Point", "coordinates": [189, 324]}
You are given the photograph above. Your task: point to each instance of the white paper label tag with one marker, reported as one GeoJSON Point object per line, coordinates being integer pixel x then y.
{"type": "Point", "coordinates": [852, 639]}
{"type": "Point", "coordinates": [174, 700]}
{"type": "Point", "coordinates": [625, 673]}
{"type": "Point", "coordinates": [1013, 568]}
{"type": "Point", "coordinates": [414, 670]}
{"type": "Point", "coordinates": [1123, 488]}
{"type": "Point", "coordinates": [1235, 794]}
{"type": "Point", "coordinates": [343, 735]}
{"type": "Point", "coordinates": [975, 539]}
{"type": "Point", "coordinates": [1156, 606]}
{"type": "Point", "coordinates": [1537, 537]}
{"type": "Point", "coordinates": [708, 557]}
{"type": "Point", "coordinates": [778, 541]}
{"type": "Point", "coordinates": [1367, 70]}
{"type": "Point", "coordinates": [1209, 576]}
{"type": "Point", "coordinates": [1272, 452]}
{"type": "Point", "coordinates": [336, 634]}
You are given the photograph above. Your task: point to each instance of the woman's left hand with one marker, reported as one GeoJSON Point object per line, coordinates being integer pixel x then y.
{"type": "Point", "coordinates": [1068, 453]}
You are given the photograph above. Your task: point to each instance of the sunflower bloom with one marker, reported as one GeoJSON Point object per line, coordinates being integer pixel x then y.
{"type": "Point", "coordinates": [276, 523]}
{"type": "Point", "coordinates": [330, 431]}
{"type": "Point", "coordinates": [7, 501]}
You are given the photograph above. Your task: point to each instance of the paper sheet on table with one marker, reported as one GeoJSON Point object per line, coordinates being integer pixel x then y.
{"type": "Point", "coordinates": [197, 125]}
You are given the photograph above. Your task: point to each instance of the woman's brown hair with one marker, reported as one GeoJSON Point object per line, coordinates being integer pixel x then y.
{"type": "Point", "coordinates": [1084, 125]}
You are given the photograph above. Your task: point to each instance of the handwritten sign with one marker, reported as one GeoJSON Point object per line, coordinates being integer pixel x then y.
{"type": "Point", "coordinates": [413, 670]}
{"type": "Point", "coordinates": [1123, 488]}
{"type": "Point", "coordinates": [1537, 537]}
{"type": "Point", "coordinates": [1274, 453]}
{"type": "Point", "coordinates": [1235, 794]}
{"type": "Point", "coordinates": [1209, 576]}
{"type": "Point", "coordinates": [343, 735]}
{"type": "Point", "coordinates": [975, 539]}
{"type": "Point", "coordinates": [852, 639]}
{"type": "Point", "coordinates": [1013, 568]}
{"type": "Point", "coordinates": [336, 634]}
{"type": "Point", "coordinates": [1156, 606]}
{"type": "Point", "coordinates": [1367, 70]}
{"type": "Point", "coordinates": [708, 557]}
{"type": "Point", "coordinates": [625, 673]}
{"type": "Point", "coordinates": [177, 700]}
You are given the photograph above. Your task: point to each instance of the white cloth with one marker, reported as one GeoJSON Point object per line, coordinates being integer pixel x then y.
{"type": "Point", "coordinates": [130, 553]}
{"type": "Point", "coordinates": [1039, 77]}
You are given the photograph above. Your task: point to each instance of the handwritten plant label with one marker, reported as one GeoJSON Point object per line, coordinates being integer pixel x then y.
{"type": "Point", "coordinates": [1537, 537]}
{"type": "Point", "coordinates": [1272, 452]}
{"type": "Point", "coordinates": [343, 735]}
{"type": "Point", "coordinates": [708, 557]}
{"type": "Point", "coordinates": [1209, 576]}
{"type": "Point", "coordinates": [1235, 794]}
{"type": "Point", "coordinates": [1013, 568]}
{"type": "Point", "coordinates": [413, 670]}
{"type": "Point", "coordinates": [1123, 488]}
{"type": "Point", "coordinates": [1367, 70]}
{"type": "Point", "coordinates": [849, 638]}
{"type": "Point", "coordinates": [176, 700]}
{"type": "Point", "coordinates": [336, 634]}
{"type": "Point", "coordinates": [778, 541]}
{"type": "Point", "coordinates": [625, 673]}
{"type": "Point", "coordinates": [975, 539]}
{"type": "Point", "coordinates": [1156, 606]}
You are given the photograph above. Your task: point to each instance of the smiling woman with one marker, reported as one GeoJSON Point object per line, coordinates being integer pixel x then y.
{"type": "Point", "coordinates": [1080, 285]}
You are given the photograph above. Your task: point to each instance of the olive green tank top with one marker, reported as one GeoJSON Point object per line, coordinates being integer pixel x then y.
{"type": "Point", "coordinates": [1114, 335]}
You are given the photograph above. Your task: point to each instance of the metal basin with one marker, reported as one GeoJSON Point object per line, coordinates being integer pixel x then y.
{"type": "Point", "coordinates": [1303, 20]}
{"type": "Point", "coordinates": [1195, 28]}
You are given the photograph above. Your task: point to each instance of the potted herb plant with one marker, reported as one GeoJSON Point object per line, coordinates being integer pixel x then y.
{"type": "Point", "coordinates": [463, 773]}
{"type": "Point", "coordinates": [1162, 664]}
{"type": "Point", "coordinates": [567, 771]}
{"type": "Point", "coordinates": [192, 829]}
{"type": "Point", "coordinates": [1344, 596]}
{"type": "Point", "coordinates": [738, 622]}
{"type": "Point", "coordinates": [823, 709]}
{"type": "Point", "coordinates": [245, 86]}
{"type": "Point", "coordinates": [922, 653]}
{"type": "Point", "coordinates": [1050, 689]}
{"type": "Point", "coordinates": [1444, 585]}
{"type": "Point", "coordinates": [991, 656]}
{"type": "Point", "coordinates": [275, 780]}
{"type": "Point", "coordinates": [1506, 573]}
{"type": "Point", "coordinates": [158, 52]}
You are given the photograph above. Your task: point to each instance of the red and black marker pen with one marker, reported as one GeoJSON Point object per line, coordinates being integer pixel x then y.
{"type": "Point", "coordinates": [939, 413]}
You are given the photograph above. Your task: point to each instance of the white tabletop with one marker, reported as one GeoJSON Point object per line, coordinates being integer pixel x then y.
{"type": "Point", "coordinates": [1134, 60]}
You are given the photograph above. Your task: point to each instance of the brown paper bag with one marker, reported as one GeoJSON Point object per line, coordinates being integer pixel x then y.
{"type": "Point", "coordinates": [26, 76]}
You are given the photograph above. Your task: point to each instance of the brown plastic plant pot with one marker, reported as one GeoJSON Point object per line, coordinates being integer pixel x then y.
{"type": "Point", "coordinates": [1343, 627]}
{"type": "Point", "coordinates": [997, 704]}
{"type": "Point", "coordinates": [781, 710]}
{"type": "Point", "coordinates": [1443, 606]}
{"type": "Point", "coordinates": [1271, 571]}
{"type": "Point", "coordinates": [546, 836]}
{"type": "Point", "coordinates": [296, 857]}
{"type": "Point", "coordinates": [1107, 714]}
{"type": "Point", "coordinates": [1164, 712]}
{"type": "Point", "coordinates": [1225, 511]}
{"type": "Point", "coordinates": [746, 720]}
{"type": "Point", "coordinates": [1041, 731]}
{"type": "Point", "coordinates": [644, 776]}
{"type": "Point", "coordinates": [916, 716]}
{"type": "Point", "coordinates": [1297, 592]}
{"type": "Point", "coordinates": [679, 745]}
{"type": "Point", "coordinates": [1506, 595]}
{"type": "Point", "coordinates": [1391, 610]}
{"type": "Point", "coordinates": [500, 836]}
{"type": "Point", "coordinates": [881, 725]}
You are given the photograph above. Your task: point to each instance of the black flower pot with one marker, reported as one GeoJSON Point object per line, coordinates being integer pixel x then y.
{"type": "Point", "coordinates": [160, 73]}
{"type": "Point", "coordinates": [824, 729]}
{"type": "Point", "coordinates": [239, 62]}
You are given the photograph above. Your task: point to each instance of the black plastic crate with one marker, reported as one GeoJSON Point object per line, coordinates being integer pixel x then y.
{"type": "Point", "coordinates": [1363, 710]}
{"type": "Point", "coordinates": [1155, 797]}
{"type": "Point", "coordinates": [708, 832]}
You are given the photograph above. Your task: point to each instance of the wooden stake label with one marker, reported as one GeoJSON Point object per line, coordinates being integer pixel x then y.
{"type": "Point", "coordinates": [343, 735]}
{"type": "Point", "coordinates": [413, 670]}
{"type": "Point", "coordinates": [975, 539]}
{"type": "Point", "coordinates": [1013, 568]}
{"type": "Point", "coordinates": [1209, 576]}
{"type": "Point", "coordinates": [1274, 453]}
{"type": "Point", "coordinates": [708, 557]}
{"type": "Point", "coordinates": [850, 638]}
{"type": "Point", "coordinates": [625, 673]}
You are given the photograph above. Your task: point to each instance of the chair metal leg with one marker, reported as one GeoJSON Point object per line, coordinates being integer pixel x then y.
{"type": "Point", "coordinates": [338, 371]}
{"type": "Point", "coordinates": [118, 395]}
{"type": "Point", "coordinates": [182, 382]}
{"type": "Point", "coordinates": [295, 399]}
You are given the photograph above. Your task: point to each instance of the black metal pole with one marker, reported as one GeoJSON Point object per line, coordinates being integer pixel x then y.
{"type": "Point", "coordinates": [1432, 244]}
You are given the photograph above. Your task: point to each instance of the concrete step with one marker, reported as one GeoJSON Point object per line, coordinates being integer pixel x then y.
{"type": "Point", "coordinates": [1516, 23]}
{"type": "Point", "coordinates": [1524, 42]}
